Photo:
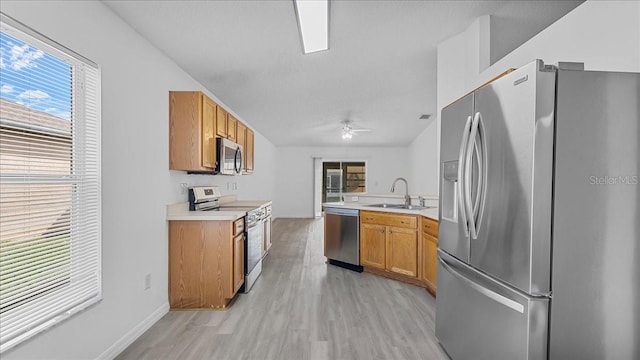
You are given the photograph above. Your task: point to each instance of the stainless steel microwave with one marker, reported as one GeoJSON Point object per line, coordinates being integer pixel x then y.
{"type": "Point", "coordinates": [229, 157]}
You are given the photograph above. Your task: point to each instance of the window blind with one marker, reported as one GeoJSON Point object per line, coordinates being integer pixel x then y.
{"type": "Point", "coordinates": [50, 183]}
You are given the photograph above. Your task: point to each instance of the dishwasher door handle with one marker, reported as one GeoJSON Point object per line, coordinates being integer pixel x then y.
{"type": "Point", "coordinates": [343, 212]}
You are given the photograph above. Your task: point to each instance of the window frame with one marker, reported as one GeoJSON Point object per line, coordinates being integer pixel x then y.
{"type": "Point", "coordinates": [86, 91]}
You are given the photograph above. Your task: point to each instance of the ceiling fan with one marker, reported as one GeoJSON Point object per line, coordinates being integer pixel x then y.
{"type": "Point", "coordinates": [348, 130]}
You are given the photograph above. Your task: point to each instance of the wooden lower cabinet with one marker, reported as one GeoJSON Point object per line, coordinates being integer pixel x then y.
{"type": "Point", "coordinates": [373, 239]}
{"type": "Point", "coordinates": [238, 262]}
{"type": "Point", "coordinates": [402, 251]}
{"type": "Point", "coordinates": [385, 246]}
{"type": "Point", "coordinates": [429, 260]}
{"type": "Point", "coordinates": [206, 264]}
{"type": "Point", "coordinates": [392, 245]}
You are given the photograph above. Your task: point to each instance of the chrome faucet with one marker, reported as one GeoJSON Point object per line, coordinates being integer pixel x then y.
{"type": "Point", "coordinates": [407, 198]}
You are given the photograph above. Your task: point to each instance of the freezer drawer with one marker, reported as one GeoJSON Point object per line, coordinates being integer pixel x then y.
{"type": "Point", "coordinates": [478, 318]}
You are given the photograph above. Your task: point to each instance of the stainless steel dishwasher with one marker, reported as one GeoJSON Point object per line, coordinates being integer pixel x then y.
{"type": "Point", "coordinates": [342, 237]}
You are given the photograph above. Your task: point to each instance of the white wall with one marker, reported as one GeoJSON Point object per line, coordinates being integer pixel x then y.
{"type": "Point", "coordinates": [295, 170]}
{"type": "Point", "coordinates": [136, 183]}
{"type": "Point", "coordinates": [604, 35]}
{"type": "Point", "coordinates": [423, 160]}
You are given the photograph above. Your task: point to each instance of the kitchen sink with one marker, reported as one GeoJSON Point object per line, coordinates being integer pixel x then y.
{"type": "Point", "coordinates": [401, 206]}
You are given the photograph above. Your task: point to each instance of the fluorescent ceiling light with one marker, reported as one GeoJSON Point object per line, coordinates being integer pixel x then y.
{"type": "Point", "coordinates": [313, 23]}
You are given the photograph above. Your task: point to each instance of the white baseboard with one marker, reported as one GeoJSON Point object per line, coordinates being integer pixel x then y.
{"type": "Point", "coordinates": [131, 336]}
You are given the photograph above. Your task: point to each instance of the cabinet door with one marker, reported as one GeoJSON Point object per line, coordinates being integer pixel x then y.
{"type": "Point", "coordinates": [185, 131]}
{"type": "Point", "coordinates": [372, 245]}
{"type": "Point", "coordinates": [241, 139]}
{"type": "Point", "coordinates": [249, 150]}
{"type": "Point", "coordinates": [200, 264]}
{"type": "Point", "coordinates": [429, 260]}
{"type": "Point", "coordinates": [238, 262]}
{"type": "Point", "coordinates": [208, 132]}
{"type": "Point", "coordinates": [232, 122]}
{"type": "Point", "coordinates": [221, 121]}
{"type": "Point", "coordinates": [402, 251]}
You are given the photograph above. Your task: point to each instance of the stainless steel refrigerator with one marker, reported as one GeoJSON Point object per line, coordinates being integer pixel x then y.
{"type": "Point", "coordinates": [539, 243]}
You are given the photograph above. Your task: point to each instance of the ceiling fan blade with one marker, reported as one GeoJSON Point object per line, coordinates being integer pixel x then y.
{"type": "Point", "coordinates": [361, 130]}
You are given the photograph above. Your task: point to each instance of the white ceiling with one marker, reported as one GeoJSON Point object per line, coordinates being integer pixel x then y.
{"type": "Point", "coordinates": [380, 70]}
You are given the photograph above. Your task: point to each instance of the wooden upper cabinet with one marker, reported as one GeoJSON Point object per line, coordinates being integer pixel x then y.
{"type": "Point", "coordinates": [221, 121]}
{"type": "Point", "coordinates": [208, 133]}
{"type": "Point", "coordinates": [195, 121]}
{"type": "Point", "coordinates": [249, 150]}
{"type": "Point", "coordinates": [191, 131]}
{"type": "Point", "coordinates": [232, 122]}
{"type": "Point", "coordinates": [241, 136]}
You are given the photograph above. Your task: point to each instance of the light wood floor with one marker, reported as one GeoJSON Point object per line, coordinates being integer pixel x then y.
{"type": "Point", "coordinates": [302, 308]}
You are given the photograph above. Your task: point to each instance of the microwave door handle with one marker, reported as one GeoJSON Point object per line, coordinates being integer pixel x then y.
{"type": "Point", "coordinates": [238, 161]}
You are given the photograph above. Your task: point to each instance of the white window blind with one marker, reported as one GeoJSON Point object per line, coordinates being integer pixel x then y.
{"type": "Point", "coordinates": [50, 190]}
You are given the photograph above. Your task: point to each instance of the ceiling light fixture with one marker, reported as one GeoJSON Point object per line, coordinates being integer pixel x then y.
{"type": "Point", "coordinates": [313, 24]}
{"type": "Point", "coordinates": [346, 133]}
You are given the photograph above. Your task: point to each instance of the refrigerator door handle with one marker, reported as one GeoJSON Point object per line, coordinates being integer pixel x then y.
{"type": "Point", "coordinates": [467, 177]}
{"type": "Point", "coordinates": [461, 187]}
{"type": "Point", "coordinates": [481, 193]}
{"type": "Point", "coordinates": [514, 305]}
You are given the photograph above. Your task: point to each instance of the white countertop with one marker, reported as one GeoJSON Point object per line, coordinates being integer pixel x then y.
{"type": "Point", "coordinates": [180, 211]}
{"type": "Point", "coordinates": [431, 213]}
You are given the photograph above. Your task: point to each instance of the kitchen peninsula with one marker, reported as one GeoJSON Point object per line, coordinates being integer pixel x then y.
{"type": "Point", "coordinates": [395, 241]}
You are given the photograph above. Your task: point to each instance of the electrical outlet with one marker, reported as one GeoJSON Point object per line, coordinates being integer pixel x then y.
{"type": "Point", "coordinates": [147, 282]}
{"type": "Point", "coordinates": [183, 188]}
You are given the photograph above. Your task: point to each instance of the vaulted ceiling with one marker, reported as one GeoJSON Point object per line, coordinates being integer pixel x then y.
{"type": "Point", "coordinates": [379, 73]}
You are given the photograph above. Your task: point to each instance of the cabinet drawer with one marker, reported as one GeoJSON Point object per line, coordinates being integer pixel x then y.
{"type": "Point", "coordinates": [430, 226]}
{"type": "Point", "coordinates": [380, 218]}
{"type": "Point", "coordinates": [238, 226]}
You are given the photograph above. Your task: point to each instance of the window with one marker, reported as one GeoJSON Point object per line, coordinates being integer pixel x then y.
{"type": "Point", "coordinates": [342, 177]}
{"type": "Point", "coordinates": [50, 230]}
